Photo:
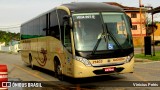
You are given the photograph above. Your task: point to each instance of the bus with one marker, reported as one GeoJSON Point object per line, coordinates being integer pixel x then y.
{"type": "Point", "coordinates": [79, 40]}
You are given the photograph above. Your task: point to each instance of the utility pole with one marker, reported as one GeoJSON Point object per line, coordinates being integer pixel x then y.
{"type": "Point", "coordinates": [153, 33]}
{"type": "Point", "coordinates": [140, 11]}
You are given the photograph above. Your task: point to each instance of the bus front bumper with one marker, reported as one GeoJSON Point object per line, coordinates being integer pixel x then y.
{"type": "Point", "coordinates": [82, 71]}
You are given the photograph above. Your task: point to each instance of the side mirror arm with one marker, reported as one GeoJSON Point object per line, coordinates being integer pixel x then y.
{"type": "Point", "coordinates": [130, 21]}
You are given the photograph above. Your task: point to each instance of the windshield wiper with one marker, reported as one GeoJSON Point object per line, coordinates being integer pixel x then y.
{"type": "Point", "coordinates": [114, 39]}
{"type": "Point", "coordinates": [95, 47]}
{"type": "Point", "coordinates": [102, 35]}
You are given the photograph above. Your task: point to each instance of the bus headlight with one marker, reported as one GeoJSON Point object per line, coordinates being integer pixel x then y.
{"type": "Point", "coordinates": [83, 60]}
{"type": "Point", "coordinates": [129, 57]}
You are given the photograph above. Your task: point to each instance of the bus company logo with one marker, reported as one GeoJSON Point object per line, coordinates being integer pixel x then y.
{"type": "Point", "coordinates": [42, 61]}
{"type": "Point", "coordinates": [118, 59]}
{"type": "Point", "coordinates": [108, 60]}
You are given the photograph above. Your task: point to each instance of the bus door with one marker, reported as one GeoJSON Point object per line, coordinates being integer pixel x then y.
{"type": "Point", "coordinates": [66, 39]}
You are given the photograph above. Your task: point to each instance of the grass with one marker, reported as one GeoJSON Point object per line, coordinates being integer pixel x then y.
{"type": "Point", "coordinates": [149, 57]}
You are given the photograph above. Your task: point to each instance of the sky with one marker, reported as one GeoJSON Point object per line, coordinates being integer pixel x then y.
{"type": "Point", "coordinates": [15, 12]}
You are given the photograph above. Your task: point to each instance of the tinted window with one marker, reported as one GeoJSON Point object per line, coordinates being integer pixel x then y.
{"type": "Point", "coordinates": [54, 28]}
{"type": "Point", "coordinates": [43, 25]}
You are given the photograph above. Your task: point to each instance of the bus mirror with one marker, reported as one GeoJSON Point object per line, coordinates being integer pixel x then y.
{"type": "Point", "coordinates": [66, 17]}
{"type": "Point", "coordinates": [130, 21]}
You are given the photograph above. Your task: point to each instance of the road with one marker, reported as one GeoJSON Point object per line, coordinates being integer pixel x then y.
{"type": "Point", "coordinates": [145, 72]}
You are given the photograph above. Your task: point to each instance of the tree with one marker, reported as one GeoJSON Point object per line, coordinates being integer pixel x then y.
{"type": "Point", "coordinates": [8, 36]}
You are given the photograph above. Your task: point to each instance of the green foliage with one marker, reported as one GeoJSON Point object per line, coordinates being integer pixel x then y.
{"type": "Point", "coordinates": [8, 36]}
{"type": "Point", "coordinates": [149, 57]}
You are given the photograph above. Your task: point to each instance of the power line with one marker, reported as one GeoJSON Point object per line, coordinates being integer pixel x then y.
{"type": "Point", "coordinates": [9, 27]}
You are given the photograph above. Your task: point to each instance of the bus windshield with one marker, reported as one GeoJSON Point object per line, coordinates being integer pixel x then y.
{"type": "Point", "coordinates": [101, 31]}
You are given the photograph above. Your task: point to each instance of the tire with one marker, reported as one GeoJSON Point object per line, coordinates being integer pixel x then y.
{"type": "Point", "coordinates": [31, 62]}
{"type": "Point", "coordinates": [58, 71]}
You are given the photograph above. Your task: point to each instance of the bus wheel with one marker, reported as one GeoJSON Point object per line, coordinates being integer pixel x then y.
{"type": "Point", "coordinates": [58, 71]}
{"type": "Point", "coordinates": [31, 62]}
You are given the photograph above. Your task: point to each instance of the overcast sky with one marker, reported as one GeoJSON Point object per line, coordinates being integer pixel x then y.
{"type": "Point", "coordinates": [15, 12]}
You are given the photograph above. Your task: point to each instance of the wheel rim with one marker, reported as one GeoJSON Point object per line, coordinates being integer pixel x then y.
{"type": "Point", "coordinates": [59, 72]}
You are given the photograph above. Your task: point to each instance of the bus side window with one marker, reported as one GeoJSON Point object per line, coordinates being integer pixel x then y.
{"type": "Point", "coordinates": [54, 30]}
{"type": "Point", "coordinates": [67, 36]}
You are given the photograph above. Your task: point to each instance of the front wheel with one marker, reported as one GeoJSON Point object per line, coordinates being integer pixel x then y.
{"type": "Point", "coordinates": [58, 71]}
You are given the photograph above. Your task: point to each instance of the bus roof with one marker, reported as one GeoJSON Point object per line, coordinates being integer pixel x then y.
{"type": "Point", "coordinates": [84, 7]}
{"type": "Point", "coordinates": [91, 7]}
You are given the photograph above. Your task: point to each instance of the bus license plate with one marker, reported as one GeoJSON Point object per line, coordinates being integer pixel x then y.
{"type": "Point", "coordinates": [111, 69]}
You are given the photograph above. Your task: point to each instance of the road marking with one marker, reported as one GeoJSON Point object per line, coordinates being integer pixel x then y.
{"type": "Point", "coordinates": [35, 75]}
{"type": "Point", "coordinates": [139, 77]}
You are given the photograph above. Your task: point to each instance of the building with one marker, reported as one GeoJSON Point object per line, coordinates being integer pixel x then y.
{"type": "Point", "coordinates": [4, 48]}
{"type": "Point", "coordinates": [134, 12]}
{"type": "Point", "coordinates": [1, 45]}
{"type": "Point", "coordinates": [14, 46]}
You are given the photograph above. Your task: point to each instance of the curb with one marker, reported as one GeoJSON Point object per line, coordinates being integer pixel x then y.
{"type": "Point", "coordinates": [142, 60]}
